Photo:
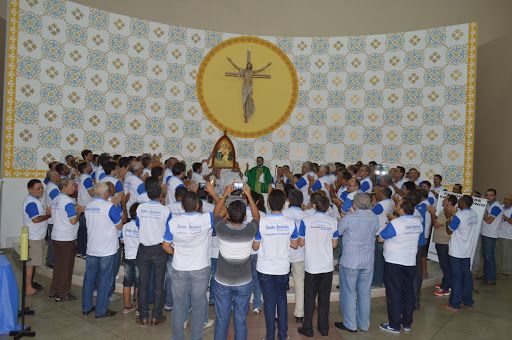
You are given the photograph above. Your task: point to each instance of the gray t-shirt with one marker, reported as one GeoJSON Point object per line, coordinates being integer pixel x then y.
{"type": "Point", "coordinates": [235, 244]}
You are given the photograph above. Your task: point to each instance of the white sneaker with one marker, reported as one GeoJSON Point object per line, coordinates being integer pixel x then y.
{"type": "Point", "coordinates": [406, 328]}
{"type": "Point", "coordinates": [209, 323]}
{"type": "Point", "coordinates": [94, 293]}
{"type": "Point", "coordinates": [185, 324]}
{"type": "Point", "coordinates": [256, 310]}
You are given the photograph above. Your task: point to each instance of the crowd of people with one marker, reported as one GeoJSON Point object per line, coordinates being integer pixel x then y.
{"type": "Point", "coordinates": [190, 238]}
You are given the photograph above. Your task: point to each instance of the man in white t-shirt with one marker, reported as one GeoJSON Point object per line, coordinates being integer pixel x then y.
{"type": "Point", "coordinates": [51, 192]}
{"type": "Point", "coordinates": [504, 246]}
{"type": "Point", "coordinates": [275, 235]}
{"type": "Point", "coordinates": [130, 238]}
{"type": "Point", "coordinates": [308, 176]}
{"type": "Point", "coordinates": [175, 209]}
{"type": "Point", "coordinates": [437, 187]}
{"type": "Point", "coordinates": [151, 220]}
{"type": "Point", "coordinates": [323, 182]}
{"type": "Point", "coordinates": [133, 184]}
{"type": "Point", "coordinates": [169, 164]}
{"type": "Point", "coordinates": [344, 204]}
{"type": "Point", "coordinates": [295, 212]}
{"type": "Point", "coordinates": [382, 209]}
{"type": "Point", "coordinates": [103, 222]}
{"type": "Point", "coordinates": [85, 193]}
{"type": "Point", "coordinates": [490, 233]}
{"type": "Point", "coordinates": [463, 228]}
{"type": "Point", "coordinates": [364, 177]}
{"type": "Point", "coordinates": [174, 182]}
{"type": "Point", "coordinates": [400, 239]}
{"type": "Point", "coordinates": [318, 235]}
{"type": "Point", "coordinates": [186, 237]}
{"type": "Point", "coordinates": [65, 228]}
{"type": "Point", "coordinates": [197, 170]}
{"type": "Point", "coordinates": [398, 175]}
{"type": "Point", "coordinates": [35, 217]}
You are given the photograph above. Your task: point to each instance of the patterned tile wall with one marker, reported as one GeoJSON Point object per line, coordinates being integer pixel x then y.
{"type": "Point", "coordinates": [87, 78]}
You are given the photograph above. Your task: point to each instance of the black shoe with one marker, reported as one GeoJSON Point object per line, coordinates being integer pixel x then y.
{"type": "Point", "coordinates": [50, 266]}
{"type": "Point", "coordinates": [302, 331]}
{"type": "Point", "coordinates": [108, 314]}
{"type": "Point", "coordinates": [341, 326]}
{"type": "Point", "coordinates": [323, 333]}
{"type": "Point", "coordinates": [37, 285]}
{"type": "Point", "coordinates": [155, 322]}
{"type": "Point", "coordinates": [65, 299]}
{"type": "Point", "coordinates": [211, 304]}
{"type": "Point", "coordinates": [299, 319]}
{"type": "Point", "coordinates": [89, 311]}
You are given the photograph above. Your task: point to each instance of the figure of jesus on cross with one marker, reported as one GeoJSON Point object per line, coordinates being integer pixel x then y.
{"type": "Point", "coordinates": [247, 88]}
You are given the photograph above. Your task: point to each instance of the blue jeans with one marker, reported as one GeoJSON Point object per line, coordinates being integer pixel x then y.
{"type": "Point", "coordinates": [236, 299]}
{"type": "Point", "coordinates": [131, 274]}
{"type": "Point", "coordinates": [81, 241]}
{"type": "Point", "coordinates": [489, 253]}
{"type": "Point", "coordinates": [274, 296]}
{"type": "Point", "coordinates": [256, 290]}
{"type": "Point", "coordinates": [115, 270]}
{"type": "Point", "coordinates": [356, 296]}
{"type": "Point", "coordinates": [378, 265]}
{"type": "Point", "coordinates": [102, 268]}
{"type": "Point", "coordinates": [213, 283]}
{"type": "Point", "coordinates": [444, 263]}
{"type": "Point", "coordinates": [462, 282]}
{"type": "Point", "coordinates": [150, 262]}
{"type": "Point", "coordinates": [49, 253]}
{"type": "Point", "coordinates": [168, 283]}
{"type": "Point", "coordinates": [189, 307]}
{"type": "Point", "coordinates": [188, 285]}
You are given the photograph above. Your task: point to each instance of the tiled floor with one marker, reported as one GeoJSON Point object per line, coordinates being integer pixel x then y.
{"type": "Point", "coordinates": [491, 318]}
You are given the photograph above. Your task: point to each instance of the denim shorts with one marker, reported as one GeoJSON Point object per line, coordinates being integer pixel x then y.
{"type": "Point", "coordinates": [131, 274]}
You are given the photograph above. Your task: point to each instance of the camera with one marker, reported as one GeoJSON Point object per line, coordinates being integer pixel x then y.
{"type": "Point", "coordinates": [238, 186]}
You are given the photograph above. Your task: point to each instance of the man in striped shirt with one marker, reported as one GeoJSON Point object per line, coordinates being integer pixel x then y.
{"type": "Point", "coordinates": [356, 268]}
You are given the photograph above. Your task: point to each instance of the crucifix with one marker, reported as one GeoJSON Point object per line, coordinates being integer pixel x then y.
{"type": "Point", "coordinates": [247, 88]}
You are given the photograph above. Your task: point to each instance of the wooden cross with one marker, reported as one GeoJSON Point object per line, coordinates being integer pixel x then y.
{"type": "Point", "coordinates": [255, 72]}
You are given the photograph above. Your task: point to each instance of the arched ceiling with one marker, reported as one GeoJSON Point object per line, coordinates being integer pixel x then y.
{"type": "Point", "coordinates": [318, 17]}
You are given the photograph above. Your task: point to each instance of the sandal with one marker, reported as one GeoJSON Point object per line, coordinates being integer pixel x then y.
{"type": "Point", "coordinates": [129, 309]}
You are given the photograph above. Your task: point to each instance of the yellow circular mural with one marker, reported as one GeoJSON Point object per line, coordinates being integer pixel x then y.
{"type": "Point", "coordinates": [247, 86]}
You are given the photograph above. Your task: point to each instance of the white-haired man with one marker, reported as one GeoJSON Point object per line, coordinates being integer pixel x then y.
{"type": "Point", "coordinates": [103, 221]}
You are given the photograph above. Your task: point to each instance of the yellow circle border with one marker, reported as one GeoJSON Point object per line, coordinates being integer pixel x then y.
{"type": "Point", "coordinates": [246, 39]}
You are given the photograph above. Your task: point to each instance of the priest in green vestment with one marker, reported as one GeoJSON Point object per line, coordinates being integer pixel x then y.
{"type": "Point", "coordinates": [259, 177]}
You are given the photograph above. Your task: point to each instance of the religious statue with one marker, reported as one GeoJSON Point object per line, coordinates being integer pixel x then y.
{"type": "Point", "coordinates": [247, 88]}
{"type": "Point", "coordinates": [223, 154]}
